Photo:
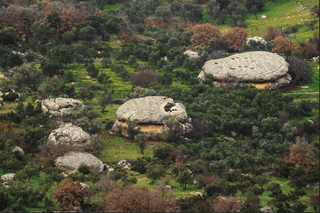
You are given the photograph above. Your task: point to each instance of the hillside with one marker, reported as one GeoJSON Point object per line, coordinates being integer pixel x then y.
{"type": "Point", "coordinates": [78, 82]}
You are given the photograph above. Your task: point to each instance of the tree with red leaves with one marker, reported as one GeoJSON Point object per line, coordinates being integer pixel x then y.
{"type": "Point", "coordinates": [68, 194]}
{"type": "Point", "coordinates": [235, 38]}
{"type": "Point", "coordinates": [137, 199]}
{"type": "Point", "coordinates": [203, 33]}
{"type": "Point", "coordinates": [227, 204]}
{"type": "Point", "coordinates": [301, 153]}
{"type": "Point", "coordinates": [272, 34]}
{"type": "Point", "coordinates": [284, 46]}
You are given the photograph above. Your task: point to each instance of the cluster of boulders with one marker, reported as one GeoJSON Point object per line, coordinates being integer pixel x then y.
{"type": "Point", "coordinates": [124, 164]}
{"type": "Point", "coordinates": [151, 114]}
{"type": "Point", "coordinates": [258, 67]}
{"type": "Point", "coordinates": [60, 107]}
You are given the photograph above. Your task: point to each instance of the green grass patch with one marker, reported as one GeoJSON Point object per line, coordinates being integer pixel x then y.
{"type": "Point", "coordinates": [278, 18]}
{"type": "Point", "coordinates": [313, 83]}
{"type": "Point", "coordinates": [116, 6]}
{"type": "Point", "coordinates": [177, 189]}
{"type": "Point", "coordinates": [122, 149]}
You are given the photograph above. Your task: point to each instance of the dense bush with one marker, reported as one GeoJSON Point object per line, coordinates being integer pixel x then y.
{"type": "Point", "coordinates": [300, 71]}
{"type": "Point", "coordinates": [84, 169]}
{"type": "Point", "coordinates": [51, 67]}
{"type": "Point", "coordinates": [12, 96]}
{"type": "Point", "coordinates": [9, 59]}
{"type": "Point", "coordinates": [162, 151]}
{"type": "Point", "coordinates": [145, 78]}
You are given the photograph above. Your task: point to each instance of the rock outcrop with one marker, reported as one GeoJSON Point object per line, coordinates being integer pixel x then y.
{"type": "Point", "coordinates": [60, 107]}
{"type": "Point", "coordinates": [266, 209]}
{"type": "Point", "coordinates": [257, 39]}
{"type": "Point", "coordinates": [7, 177]}
{"type": "Point", "coordinates": [71, 161]}
{"type": "Point", "coordinates": [17, 148]}
{"type": "Point", "coordinates": [258, 67]}
{"type": "Point", "coordinates": [151, 113]}
{"type": "Point", "coordinates": [69, 134]}
{"type": "Point", "coordinates": [124, 164]}
{"type": "Point", "coordinates": [192, 55]}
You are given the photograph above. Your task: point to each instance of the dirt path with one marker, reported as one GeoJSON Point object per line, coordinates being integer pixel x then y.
{"type": "Point", "coordinates": [6, 111]}
{"type": "Point", "coordinates": [306, 93]}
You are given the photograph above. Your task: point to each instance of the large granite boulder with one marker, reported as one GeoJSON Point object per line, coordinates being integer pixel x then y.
{"type": "Point", "coordinates": [192, 55]}
{"type": "Point", "coordinates": [257, 39]}
{"type": "Point", "coordinates": [258, 67]}
{"type": "Point", "coordinates": [71, 161]}
{"type": "Point", "coordinates": [69, 134]}
{"type": "Point", "coordinates": [151, 113]}
{"type": "Point", "coordinates": [60, 107]}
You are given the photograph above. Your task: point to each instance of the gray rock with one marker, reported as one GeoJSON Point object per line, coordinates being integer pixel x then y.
{"type": "Point", "coordinates": [257, 39]}
{"type": "Point", "coordinates": [151, 110]}
{"type": "Point", "coordinates": [282, 82]}
{"type": "Point", "coordinates": [58, 106]}
{"type": "Point", "coordinates": [7, 177]}
{"type": "Point", "coordinates": [315, 59]}
{"type": "Point", "coordinates": [266, 209]}
{"type": "Point", "coordinates": [249, 67]}
{"type": "Point", "coordinates": [124, 164]}
{"type": "Point", "coordinates": [151, 113]}
{"type": "Point", "coordinates": [71, 161]}
{"type": "Point", "coordinates": [17, 148]}
{"type": "Point", "coordinates": [257, 66]}
{"type": "Point", "coordinates": [69, 133]}
{"type": "Point", "coordinates": [83, 185]}
{"type": "Point", "coordinates": [192, 55]}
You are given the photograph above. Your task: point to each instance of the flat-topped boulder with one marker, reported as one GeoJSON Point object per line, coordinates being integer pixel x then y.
{"type": "Point", "coordinates": [69, 134]}
{"type": "Point", "coordinates": [193, 55]}
{"type": "Point", "coordinates": [60, 107]}
{"type": "Point", "coordinates": [71, 161]}
{"type": "Point", "coordinates": [151, 113]}
{"type": "Point", "coordinates": [151, 110]}
{"type": "Point", "coordinates": [256, 39]}
{"type": "Point", "coordinates": [250, 67]}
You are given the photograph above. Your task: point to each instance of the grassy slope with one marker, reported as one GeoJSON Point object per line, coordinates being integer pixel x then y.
{"type": "Point", "coordinates": [276, 17]}
{"type": "Point", "coordinates": [119, 148]}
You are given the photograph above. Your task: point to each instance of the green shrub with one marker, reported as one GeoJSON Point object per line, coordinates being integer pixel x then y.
{"type": "Point", "coordinates": [162, 151]}
{"type": "Point", "coordinates": [12, 96]}
{"type": "Point", "coordinates": [77, 176]}
{"type": "Point", "coordinates": [30, 56]}
{"type": "Point", "coordinates": [300, 71]}
{"type": "Point", "coordinates": [84, 169]}
{"type": "Point", "coordinates": [92, 70]}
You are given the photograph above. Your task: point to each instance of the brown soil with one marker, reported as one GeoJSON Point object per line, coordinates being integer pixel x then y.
{"type": "Point", "coordinates": [146, 127]}
{"type": "Point", "coordinates": [257, 85]}
{"type": "Point", "coordinates": [154, 143]}
{"type": "Point", "coordinates": [106, 135]}
{"type": "Point", "coordinates": [7, 111]}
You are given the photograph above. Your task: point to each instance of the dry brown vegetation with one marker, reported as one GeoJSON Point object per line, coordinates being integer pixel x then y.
{"type": "Point", "coordinates": [301, 153]}
{"type": "Point", "coordinates": [68, 194]}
